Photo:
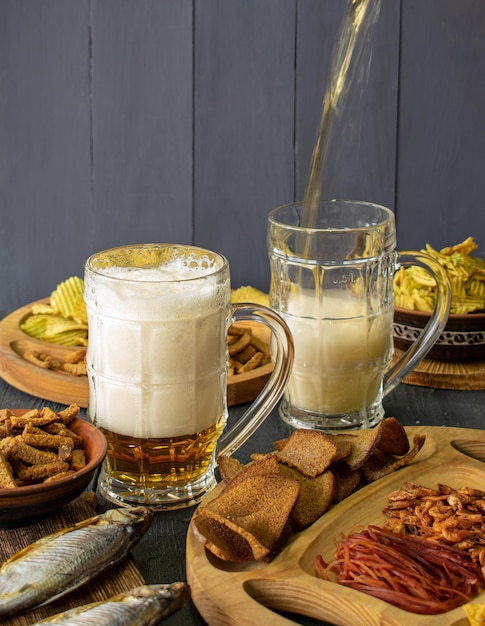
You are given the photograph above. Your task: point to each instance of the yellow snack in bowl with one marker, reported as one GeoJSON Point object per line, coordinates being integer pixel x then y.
{"type": "Point", "coordinates": [247, 293]}
{"type": "Point", "coordinates": [415, 288]}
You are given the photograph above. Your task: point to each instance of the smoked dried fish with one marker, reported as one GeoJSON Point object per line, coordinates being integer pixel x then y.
{"type": "Point", "coordinates": [142, 606]}
{"type": "Point", "coordinates": [65, 560]}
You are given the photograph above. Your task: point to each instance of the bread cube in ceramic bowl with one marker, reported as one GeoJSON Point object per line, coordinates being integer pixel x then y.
{"type": "Point", "coordinates": [25, 504]}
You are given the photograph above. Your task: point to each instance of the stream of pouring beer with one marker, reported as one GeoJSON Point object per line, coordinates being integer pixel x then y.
{"type": "Point", "coordinates": [359, 19]}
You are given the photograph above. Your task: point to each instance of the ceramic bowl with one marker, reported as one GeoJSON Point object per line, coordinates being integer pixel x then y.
{"type": "Point", "coordinates": [23, 505]}
{"type": "Point", "coordinates": [463, 338]}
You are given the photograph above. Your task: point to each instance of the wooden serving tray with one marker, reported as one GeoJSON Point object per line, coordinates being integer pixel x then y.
{"type": "Point", "coordinates": [231, 594]}
{"type": "Point", "coordinates": [64, 388]}
{"type": "Point", "coordinates": [118, 579]}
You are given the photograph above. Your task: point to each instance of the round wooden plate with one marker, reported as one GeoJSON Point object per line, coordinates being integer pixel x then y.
{"type": "Point", "coordinates": [53, 385]}
{"type": "Point", "coordinates": [243, 594]}
{"type": "Point", "coordinates": [58, 386]}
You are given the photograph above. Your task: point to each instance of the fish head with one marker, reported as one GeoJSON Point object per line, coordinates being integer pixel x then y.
{"type": "Point", "coordinates": [137, 517]}
{"type": "Point", "coordinates": [168, 597]}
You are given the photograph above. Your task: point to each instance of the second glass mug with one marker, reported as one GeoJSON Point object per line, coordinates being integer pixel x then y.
{"type": "Point", "coordinates": [157, 369]}
{"type": "Point", "coordinates": [332, 282]}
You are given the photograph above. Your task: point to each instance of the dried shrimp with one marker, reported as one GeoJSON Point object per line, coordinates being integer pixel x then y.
{"type": "Point", "coordinates": [455, 517]}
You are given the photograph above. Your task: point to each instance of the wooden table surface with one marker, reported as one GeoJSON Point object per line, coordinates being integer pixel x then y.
{"type": "Point", "coordinates": [160, 556]}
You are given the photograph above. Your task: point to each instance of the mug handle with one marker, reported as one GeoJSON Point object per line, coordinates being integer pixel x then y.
{"type": "Point", "coordinates": [428, 336]}
{"type": "Point", "coordinates": [282, 352]}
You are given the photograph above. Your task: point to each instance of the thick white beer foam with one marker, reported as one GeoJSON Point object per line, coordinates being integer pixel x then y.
{"type": "Point", "coordinates": [157, 349]}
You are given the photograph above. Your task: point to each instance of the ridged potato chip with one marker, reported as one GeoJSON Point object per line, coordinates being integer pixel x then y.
{"type": "Point", "coordinates": [56, 329]}
{"type": "Point", "coordinates": [68, 300]}
{"type": "Point", "coordinates": [63, 320]}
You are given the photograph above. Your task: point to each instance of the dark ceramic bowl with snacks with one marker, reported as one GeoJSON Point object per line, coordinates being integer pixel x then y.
{"type": "Point", "coordinates": [23, 505]}
{"type": "Point", "coordinates": [462, 339]}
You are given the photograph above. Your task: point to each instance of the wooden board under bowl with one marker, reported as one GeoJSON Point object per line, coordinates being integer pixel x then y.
{"type": "Point", "coordinates": [64, 388]}
{"type": "Point", "coordinates": [243, 594]}
{"type": "Point", "coordinates": [465, 375]}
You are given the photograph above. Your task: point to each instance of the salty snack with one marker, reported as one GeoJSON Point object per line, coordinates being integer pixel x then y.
{"type": "Point", "coordinates": [72, 363]}
{"type": "Point", "coordinates": [475, 613]}
{"type": "Point", "coordinates": [284, 491]}
{"type": "Point", "coordinates": [309, 451]}
{"type": "Point", "coordinates": [239, 527]}
{"type": "Point", "coordinates": [432, 540]}
{"type": "Point", "coordinates": [315, 497]}
{"type": "Point", "coordinates": [64, 319]}
{"type": "Point", "coordinates": [143, 606]}
{"type": "Point", "coordinates": [246, 351]}
{"type": "Point", "coordinates": [39, 446]}
{"type": "Point", "coordinates": [452, 516]}
{"type": "Point", "coordinates": [7, 481]}
{"type": "Point", "coordinates": [69, 558]}
{"type": "Point", "coordinates": [415, 288]}
{"type": "Point", "coordinates": [413, 573]}
{"type": "Point", "coordinates": [246, 293]}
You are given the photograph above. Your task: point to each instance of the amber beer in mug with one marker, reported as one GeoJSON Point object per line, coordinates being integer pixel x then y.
{"type": "Point", "coordinates": [157, 358]}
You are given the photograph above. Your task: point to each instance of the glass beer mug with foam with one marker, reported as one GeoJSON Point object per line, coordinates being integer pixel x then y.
{"type": "Point", "coordinates": [332, 282]}
{"type": "Point", "coordinates": [157, 367]}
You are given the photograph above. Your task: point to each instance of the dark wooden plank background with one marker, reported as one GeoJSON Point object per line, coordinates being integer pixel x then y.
{"type": "Point", "coordinates": [186, 121]}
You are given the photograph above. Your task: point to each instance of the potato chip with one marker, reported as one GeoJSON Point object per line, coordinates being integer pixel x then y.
{"type": "Point", "coordinates": [63, 320]}
{"type": "Point", "coordinates": [68, 300]}
{"type": "Point", "coordinates": [475, 613]}
{"type": "Point", "coordinates": [415, 288]}
{"type": "Point", "coordinates": [55, 330]}
{"type": "Point", "coordinates": [42, 308]}
{"type": "Point", "coordinates": [35, 325]}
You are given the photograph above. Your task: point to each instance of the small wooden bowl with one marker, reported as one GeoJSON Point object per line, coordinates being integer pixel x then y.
{"type": "Point", "coordinates": [463, 338]}
{"type": "Point", "coordinates": [23, 505]}
{"type": "Point", "coordinates": [244, 388]}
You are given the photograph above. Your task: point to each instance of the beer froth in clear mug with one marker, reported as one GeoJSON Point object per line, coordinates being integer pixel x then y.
{"type": "Point", "coordinates": [157, 358]}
